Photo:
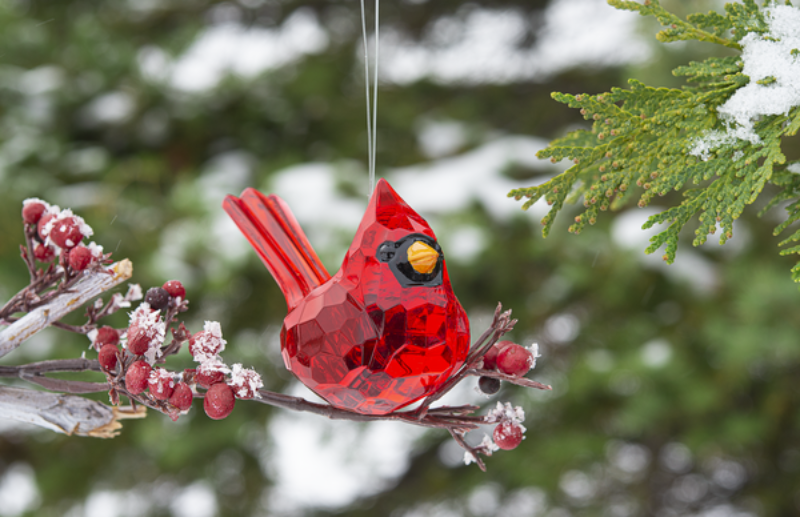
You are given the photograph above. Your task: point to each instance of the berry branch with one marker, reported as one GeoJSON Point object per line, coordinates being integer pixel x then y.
{"type": "Point", "coordinates": [134, 359]}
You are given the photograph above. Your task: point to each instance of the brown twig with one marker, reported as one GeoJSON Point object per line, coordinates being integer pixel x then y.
{"type": "Point", "coordinates": [501, 324]}
{"type": "Point", "coordinates": [66, 386]}
{"type": "Point", "coordinates": [53, 366]}
{"type": "Point", "coordinates": [27, 251]}
{"type": "Point", "coordinates": [35, 373]}
{"type": "Point", "coordinates": [440, 420]}
{"type": "Point", "coordinates": [473, 451]}
{"type": "Point", "coordinates": [513, 379]}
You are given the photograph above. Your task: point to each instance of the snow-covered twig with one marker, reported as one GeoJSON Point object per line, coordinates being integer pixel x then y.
{"type": "Point", "coordinates": [91, 285]}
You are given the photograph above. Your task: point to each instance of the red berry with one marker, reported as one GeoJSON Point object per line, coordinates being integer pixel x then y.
{"type": "Point", "coordinates": [490, 358]}
{"type": "Point", "coordinates": [219, 401]}
{"type": "Point", "coordinates": [106, 335]}
{"type": "Point", "coordinates": [137, 376]}
{"type": "Point", "coordinates": [46, 218]}
{"type": "Point", "coordinates": [181, 396]}
{"type": "Point", "coordinates": [66, 233]}
{"type": "Point", "coordinates": [514, 360]}
{"type": "Point", "coordinates": [43, 253]}
{"type": "Point", "coordinates": [207, 379]}
{"type": "Point", "coordinates": [507, 435]}
{"type": "Point", "coordinates": [79, 258]}
{"type": "Point", "coordinates": [175, 289]}
{"type": "Point", "coordinates": [32, 212]}
{"type": "Point", "coordinates": [138, 340]}
{"type": "Point", "coordinates": [161, 384]}
{"type": "Point", "coordinates": [108, 356]}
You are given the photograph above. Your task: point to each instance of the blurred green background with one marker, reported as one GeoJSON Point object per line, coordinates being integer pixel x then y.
{"type": "Point", "coordinates": [674, 388]}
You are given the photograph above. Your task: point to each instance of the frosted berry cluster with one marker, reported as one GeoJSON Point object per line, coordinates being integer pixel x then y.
{"type": "Point", "coordinates": [510, 361]}
{"type": "Point", "coordinates": [59, 234]}
{"type": "Point", "coordinates": [224, 384]}
{"type": "Point", "coordinates": [132, 357]}
{"type": "Point", "coordinates": [508, 358]}
{"type": "Point", "coordinates": [508, 433]}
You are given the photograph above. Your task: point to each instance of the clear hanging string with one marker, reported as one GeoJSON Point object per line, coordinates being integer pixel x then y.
{"type": "Point", "coordinates": [372, 111]}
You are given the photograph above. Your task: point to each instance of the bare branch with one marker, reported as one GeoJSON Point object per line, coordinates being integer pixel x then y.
{"type": "Point", "coordinates": [66, 386]}
{"type": "Point", "coordinates": [52, 366]}
{"type": "Point", "coordinates": [474, 452]}
{"type": "Point", "coordinates": [442, 418]}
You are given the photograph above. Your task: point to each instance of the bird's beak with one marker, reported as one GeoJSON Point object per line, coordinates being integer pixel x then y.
{"type": "Point", "coordinates": [422, 257]}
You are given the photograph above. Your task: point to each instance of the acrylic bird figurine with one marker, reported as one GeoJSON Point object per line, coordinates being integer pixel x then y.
{"type": "Point", "coordinates": [383, 332]}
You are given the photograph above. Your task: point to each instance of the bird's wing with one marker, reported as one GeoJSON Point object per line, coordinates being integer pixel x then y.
{"type": "Point", "coordinates": [275, 234]}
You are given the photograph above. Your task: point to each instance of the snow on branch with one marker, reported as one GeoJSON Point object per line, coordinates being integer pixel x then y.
{"type": "Point", "coordinates": [91, 285]}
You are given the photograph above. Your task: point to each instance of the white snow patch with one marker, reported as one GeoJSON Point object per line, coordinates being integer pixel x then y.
{"type": "Point", "coordinates": [464, 244]}
{"type": "Point", "coordinates": [656, 353]}
{"type": "Point", "coordinates": [18, 490]}
{"type": "Point", "coordinates": [486, 444]}
{"type": "Point", "coordinates": [709, 142]}
{"type": "Point", "coordinates": [209, 343]}
{"type": "Point", "coordinates": [95, 249]}
{"type": "Point", "coordinates": [109, 108]}
{"type": "Point", "coordinates": [692, 267]}
{"type": "Point", "coordinates": [476, 46]}
{"type": "Point", "coordinates": [765, 56]}
{"type": "Point", "coordinates": [534, 350]}
{"type": "Point", "coordinates": [134, 292]}
{"type": "Point", "coordinates": [163, 376]}
{"type": "Point", "coordinates": [474, 175]}
{"type": "Point", "coordinates": [195, 500]}
{"type": "Point", "coordinates": [150, 323]}
{"type": "Point", "coordinates": [310, 190]}
{"type": "Point", "coordinates": [233, 48]}
{"type": "Point", "coordinates": [484, 45]}
{"type": "Point", "coordinates": [32, 200]}
{"type": "Point", "coordinates": [322, 463]}
{"type": "Point", "coordinates": [506, 413]}
{"type": "Point", "coordinates": [245, 381]}
{"type": "Point", "coordinates": [213, 365]}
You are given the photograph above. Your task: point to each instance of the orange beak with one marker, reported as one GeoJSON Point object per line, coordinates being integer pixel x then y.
{"type": "Point", "coordinates": [422, 257]}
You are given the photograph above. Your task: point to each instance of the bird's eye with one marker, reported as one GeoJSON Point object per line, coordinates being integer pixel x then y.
{"type": "Point", "coordinates": [415, 260]}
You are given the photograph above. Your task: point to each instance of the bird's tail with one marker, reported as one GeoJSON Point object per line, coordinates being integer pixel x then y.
{"type": "Point", "coordinates": [275, 234]}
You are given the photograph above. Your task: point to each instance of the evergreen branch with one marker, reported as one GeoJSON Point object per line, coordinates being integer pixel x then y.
{"type": "Point", "coordinates": [646, 141]}
{"type": "Point", "coordinates": [679, 30]}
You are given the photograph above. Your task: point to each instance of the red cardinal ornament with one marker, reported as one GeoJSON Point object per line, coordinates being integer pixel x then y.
{"type": "Point", "coordinates": [382, 333]}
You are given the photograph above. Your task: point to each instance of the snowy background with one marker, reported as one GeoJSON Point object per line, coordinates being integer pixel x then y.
{"type": "Point", "coordinates": [314, 463]}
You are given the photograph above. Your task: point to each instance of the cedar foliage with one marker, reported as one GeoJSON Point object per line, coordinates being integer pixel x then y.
{"type": "Point", "coordinates": [641, 140]}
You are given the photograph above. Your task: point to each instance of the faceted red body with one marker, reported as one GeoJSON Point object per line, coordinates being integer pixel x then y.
{"type": "Point", "coordinates": [362, 339]}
